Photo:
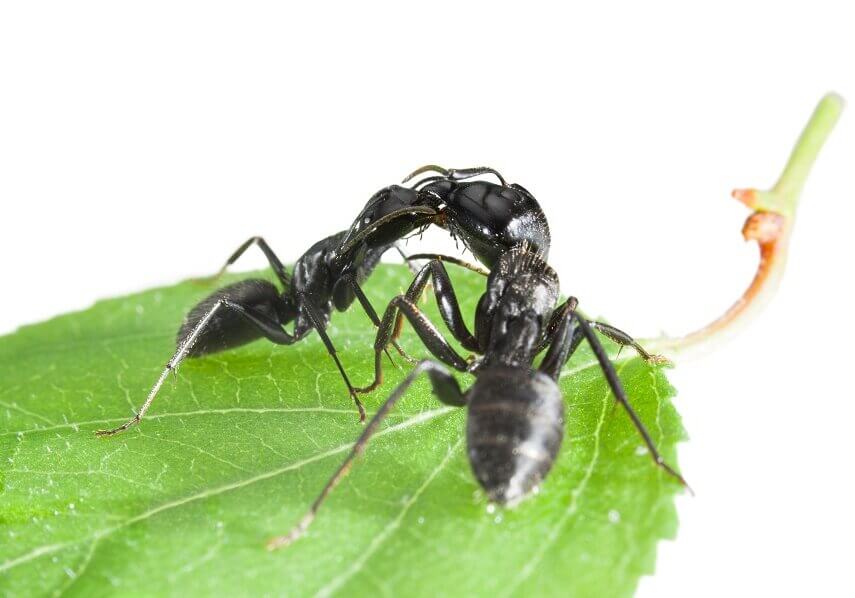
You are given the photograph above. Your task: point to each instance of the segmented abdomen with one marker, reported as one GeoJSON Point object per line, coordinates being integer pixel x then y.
{"type": "Point", "coordinates": [227, 329]}
{"type": "Point", "coordinates": [513, 431]}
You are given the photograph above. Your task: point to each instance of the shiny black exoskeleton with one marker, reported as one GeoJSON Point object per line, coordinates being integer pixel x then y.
{"type": "Point", "coordinates": [252, 309]}
{"type": "Point", "coordinates": [488, 218]}
{"type": "Point", "coordinates": [515, 422]}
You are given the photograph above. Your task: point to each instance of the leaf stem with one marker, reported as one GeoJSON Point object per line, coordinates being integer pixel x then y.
{"type": "Point", "coordinates": [771, 225]}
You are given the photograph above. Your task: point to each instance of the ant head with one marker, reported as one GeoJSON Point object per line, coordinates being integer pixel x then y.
{"type": "Point", "coordinates": [390, 214]}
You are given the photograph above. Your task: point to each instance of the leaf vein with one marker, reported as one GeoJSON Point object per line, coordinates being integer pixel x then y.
{"type": "Point", "coordinates": [533, 563]}
{"type": "Point", "coordinates": [157, 416]}
{"type": "Point", "coordinates": [15, 407]}
{"type": "Point", "coordinates": [390, 529]}
{"type": "Point", "coordinates": [51, 548]}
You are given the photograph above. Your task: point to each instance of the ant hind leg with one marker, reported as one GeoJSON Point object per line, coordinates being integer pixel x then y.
{"type": "Point", "coordinates": [445, 387]}
{"type": "Point", "coordinates": [232, 316]}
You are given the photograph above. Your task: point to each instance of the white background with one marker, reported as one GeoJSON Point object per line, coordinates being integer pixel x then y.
{"type": "Point", "coordinates": [141, 143]}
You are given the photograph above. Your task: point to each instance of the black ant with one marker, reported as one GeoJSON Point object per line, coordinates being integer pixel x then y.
{"type": "Point", "coordinates": [488, 217]}
{"type": "Point", "coordinates": [251, 309]}
{"type": "Point", "coordinates": [515, 421]}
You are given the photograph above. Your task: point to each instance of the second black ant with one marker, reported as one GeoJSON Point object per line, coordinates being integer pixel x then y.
{"type": "Point", "coordinates": [515, 412]}
{"type": "Point", "coordinates": [489, 218]}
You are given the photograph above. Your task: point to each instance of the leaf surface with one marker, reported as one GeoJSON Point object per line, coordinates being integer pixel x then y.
{"type": "Point", "coordinates": [237, 446]}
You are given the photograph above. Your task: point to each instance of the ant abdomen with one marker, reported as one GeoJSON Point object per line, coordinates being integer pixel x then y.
{"type": "Point", "coordinates": [513, 431]}
{"type": "Point", "coordinates": [227, 328]}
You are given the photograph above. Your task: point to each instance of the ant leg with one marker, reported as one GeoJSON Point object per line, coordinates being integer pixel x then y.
{"type": "Point", "coordinates": [574, 327]}
{"type": "Point", "coordinates": [444, 291]}
{"type": "Point", "coordinates": [438, 257]}
{"type": "Point", "coordinates": [274, 261]}
{"type": "Point", "coordinates": [446, 389]}
{"type": "Point", "coordinates": [563, 341]}
{"type": "Point", "coordinates": [233, 316]}
{"type": "Point", "coordinates": [624, 340]}
{"type": "Point", "coordinates": [607, 330]}
{"type": "Point", "coordinates": [172, 365]}
{"type": "Point", "coordinates": [318, 325]}
{"type": "Point", "coordinates": [620, 395]}
{"type": "Point", "coordinates": [554, 322]}
{"type": "Point", "coordinates": [372, 314]}
{"type": "Point", "coordinates": [446, 300]}
{"type": "Point", "coordinates": [214, 331]}
{"type": "Point", "coordinates": [450, 259]}
{"type": "Point", "coordinates": [428, 333]}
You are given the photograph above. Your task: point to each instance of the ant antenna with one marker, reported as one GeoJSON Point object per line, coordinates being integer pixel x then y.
{"type": "Point", "coordinates": [460, 174]}
{"type": "Point", "coordinates": [456, 174]}
{"type": "Point", "coordinates": [426, 168]}
{"type": "Point", "coordinates": [428, 179]}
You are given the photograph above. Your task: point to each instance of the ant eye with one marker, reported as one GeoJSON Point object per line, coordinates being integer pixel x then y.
{"type": "Point", "coordinates": [367, 220]}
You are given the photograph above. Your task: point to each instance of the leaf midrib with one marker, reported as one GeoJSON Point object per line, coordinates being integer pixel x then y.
{"type": "Point", "coordinates": [98, 535]}
{"type": "Point", "coordinates": [232, 410]}
{"type": "Point", "coordinates": [422, 417]}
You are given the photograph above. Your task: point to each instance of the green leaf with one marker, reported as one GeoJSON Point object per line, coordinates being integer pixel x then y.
{"type": "Point", "coordinates": [235, 449]}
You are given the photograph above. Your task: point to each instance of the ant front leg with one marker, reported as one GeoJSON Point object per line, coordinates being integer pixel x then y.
{"type": "Point", "coordinates": [430, 336]}
{"type": "Point", "coordinates": [372, 315]}
{"type": "Point", "coordinates": [446, 389]}
{"type": "Point", "coordinates": [571, 330]}
{"type": "Point", "coordinates": [319, 326]}
{"type": "Point", "coordinates": [450, 259]}
{"type": "Point", "coordinates": [614, 334]}
{"type": "Point", "coordinates": [405, 305]}
{"type": "Point", "coordinates": [625, 340]}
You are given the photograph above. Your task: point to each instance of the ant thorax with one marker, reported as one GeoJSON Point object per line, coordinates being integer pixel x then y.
{"type": "Point", "coordinates": [512, 340]}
